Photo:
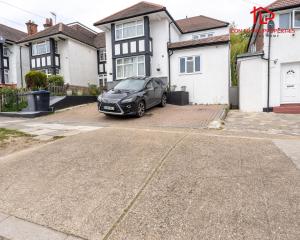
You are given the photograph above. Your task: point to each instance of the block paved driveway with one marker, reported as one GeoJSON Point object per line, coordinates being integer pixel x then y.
{"type": "Point", "coordinates": [86, 118]}
{"type": "Point", "coordinates": [121, 182]}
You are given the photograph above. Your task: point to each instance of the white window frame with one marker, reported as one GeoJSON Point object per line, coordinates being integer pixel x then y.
{"type": "Point", "coordinates": [137, 68]}
{"type": "Point", "coordinates": [6, 76]}
{"type": "Point", "coordinates": [291, 18]}
{"type": "Point", "coordinates": [194, 65]}
{"type": "Point", "coordinates": [36, 51]}
{"type": "Point", "coordinates": [121, 28]}
{"type": "Point", "coordinates": [102, 55]}
{"type": "Point", "coordinates": [202, 35]}
{"type": "Point", "coordinates": [6, 52]}
{"type": "Point", "coordinates": [294, 13]}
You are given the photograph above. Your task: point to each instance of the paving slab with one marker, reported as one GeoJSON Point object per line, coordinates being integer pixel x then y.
{"type": "Point", "coordinates": [17, 229]}
{"type": "Point", "coordinates": [291, 148]}
{"type": "Point", "coordinates": [81, 185]}
{"type": "Point", "coordinates": [223, 192]}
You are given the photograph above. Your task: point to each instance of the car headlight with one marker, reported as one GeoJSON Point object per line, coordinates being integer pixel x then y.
{"type": "Point", "coordinates": [99, 98]}
{"type": "Point", "coordinates": [128, 100]}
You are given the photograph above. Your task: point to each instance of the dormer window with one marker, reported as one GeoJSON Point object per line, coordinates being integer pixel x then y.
{"type": "Point", "coordinates": [129, 30]}
{"type": "Point", "coordinates": [202, 35]}
{"type": "Point", "coordinates": [40, 48]}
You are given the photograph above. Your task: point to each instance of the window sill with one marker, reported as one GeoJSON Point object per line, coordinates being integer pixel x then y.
{"type": "Point", "coordinates": [184, 74]}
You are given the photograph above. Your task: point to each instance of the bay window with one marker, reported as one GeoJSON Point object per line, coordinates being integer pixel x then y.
{"type": "Point", "coordinates": [129, 30]}
{"type": "Point", "coordinates": [296, 19]}
{"type": "Point", "coordinates": [130, 67]}
{"type": "Point", "coordinates": [190, 64]}
{"type": "Point", "coordinates": [40, 48]}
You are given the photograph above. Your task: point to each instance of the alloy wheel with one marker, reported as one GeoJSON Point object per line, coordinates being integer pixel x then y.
{"type": "Point", "coordinates": [141, 109]}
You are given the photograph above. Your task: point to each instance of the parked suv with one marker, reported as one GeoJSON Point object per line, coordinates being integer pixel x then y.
{"type": "Point", "coordinates": [133, 96]}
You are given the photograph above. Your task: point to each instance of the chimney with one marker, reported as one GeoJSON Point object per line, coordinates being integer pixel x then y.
{"type": "Point", "coordinates": [32, 28]}
{"type": "Point", "coordinates": [48, 23]}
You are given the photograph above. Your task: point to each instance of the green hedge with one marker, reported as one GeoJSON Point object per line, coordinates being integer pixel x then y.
{"type": "Point", "coordinates": [36, 80]}
{"type": "Point", "coordinates": [10, 102]}
{"type": "Point", "coordinates": [56, 80]}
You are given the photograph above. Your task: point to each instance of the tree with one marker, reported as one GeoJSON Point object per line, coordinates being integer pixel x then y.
{"type": "Point", "coordinates": [239, 43]}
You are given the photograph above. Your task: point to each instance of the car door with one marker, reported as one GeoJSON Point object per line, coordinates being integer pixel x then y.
{"type": "Point", "coordinates": [149, 94]}
{"type": "Point", "coordinates": [157, 91]}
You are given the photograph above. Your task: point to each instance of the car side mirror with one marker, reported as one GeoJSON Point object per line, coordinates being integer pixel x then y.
{"type": "Point", "coordinates": [149, 88]}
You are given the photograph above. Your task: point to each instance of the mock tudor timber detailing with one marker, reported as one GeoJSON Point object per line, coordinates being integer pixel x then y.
{"type": "Point", "coordinates": [142, 47]}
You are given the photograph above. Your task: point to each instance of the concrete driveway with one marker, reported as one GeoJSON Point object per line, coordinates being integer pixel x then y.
{"type": "Point", "coordinates": [139, 183]}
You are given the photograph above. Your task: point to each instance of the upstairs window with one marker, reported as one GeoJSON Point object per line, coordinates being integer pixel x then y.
{"type": "Point", "coordinates": [285, 20]}
{"type": "Point", "coordinates": [190, 64]}
{"type": "Point", "coordinates": [297, 19]}
{"type": "Point", "coordinates": [5, 52]}
{"type": "Point", "coordinates": [40, 48]}
{"type": "Point", "coordinates": [102, 54]}
{"type": "Point", "coordinates": [129, 30]}
{"type": "Point", "coordinates": [202, 35]}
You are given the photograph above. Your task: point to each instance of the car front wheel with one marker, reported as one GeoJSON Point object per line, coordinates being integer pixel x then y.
{"type": "Point", "coordinates": [140, 109]}
{"type": "Point", "coordinates": [163, 102]}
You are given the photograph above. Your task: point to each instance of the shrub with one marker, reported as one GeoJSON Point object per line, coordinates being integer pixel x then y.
{"type": "Point", "coordinates": [36, 80]}
{"type": "Point", "coordinates": [94, 90]}
{"type": "Point", "coordinates": [10, 100]}
{"type": "Point", "coordinates": [56, 80]}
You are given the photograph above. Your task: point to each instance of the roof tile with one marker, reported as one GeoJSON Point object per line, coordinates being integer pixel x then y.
{"type": "Point", "coordinates": [282, 4]}
{"type": "Point", "coordinates": [138, 9]}
{"type": "Point", "coordinates": [78, 33]}
{"type": "Point", "coordinates": [11, 34]}
{"type": "Point", "coordinates": [200, 42]}
{"type": "Point", "coordinates": [199, 23]}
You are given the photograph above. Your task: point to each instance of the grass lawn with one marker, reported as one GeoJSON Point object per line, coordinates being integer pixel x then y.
{"type": "Point", "coordinates": [7, 133]}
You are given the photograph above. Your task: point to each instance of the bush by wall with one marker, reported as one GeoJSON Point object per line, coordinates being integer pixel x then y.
{"type": "Point", "coordinates": [93, 90]}
{"type": "Point", "coordinates": [36, 80]}
{"type": "Point", "coordinates": [12, 100]}
{"type": "Point", "coordinates": [56, 80]}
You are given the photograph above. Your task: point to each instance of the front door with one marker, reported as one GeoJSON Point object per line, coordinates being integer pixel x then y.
{"type": "Point", "coordinates": [290, 83]}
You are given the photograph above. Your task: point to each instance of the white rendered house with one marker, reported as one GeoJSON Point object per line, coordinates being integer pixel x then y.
{"type": "Point", "coordinates": [269, 74]}
{"type": "Point", "coordinates": [14, 59]}
{"type": "Point", "coordinates": [71, 50]}
{"type": "Point", "coordinates": [145, 40]}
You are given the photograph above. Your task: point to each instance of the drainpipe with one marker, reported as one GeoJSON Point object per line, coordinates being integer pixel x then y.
{"type": "Point", "coordinates": [170, 53]}
{"type": "Point", "coordinates": [271, 25]}
{"type": "Point", "coordinates": [21, 67]}
{"type": "Point", "coordinates": [1, 64]}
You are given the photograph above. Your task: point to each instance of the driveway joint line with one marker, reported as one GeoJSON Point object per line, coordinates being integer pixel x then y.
{"type": "Point", "coordinates": [145, 184]}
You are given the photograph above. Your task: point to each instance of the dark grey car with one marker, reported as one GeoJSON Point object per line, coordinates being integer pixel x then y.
{"type": "Point", "coordinates": [133, 96]}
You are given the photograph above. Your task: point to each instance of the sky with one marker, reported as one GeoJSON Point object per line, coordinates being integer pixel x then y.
{"type": "Point", "coordinates": [15, 13]}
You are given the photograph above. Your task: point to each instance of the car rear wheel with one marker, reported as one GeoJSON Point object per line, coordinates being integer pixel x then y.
{"type": "Point", "coordinates": [163, 102]}
{"type": "Point", "coordinates": [140, 109]}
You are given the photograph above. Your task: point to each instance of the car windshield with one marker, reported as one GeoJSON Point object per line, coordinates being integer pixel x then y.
{"type": "Point", "coordinates": [130, 84]}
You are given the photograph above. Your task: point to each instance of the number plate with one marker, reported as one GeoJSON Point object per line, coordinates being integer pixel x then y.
{"type": "Point", "coordinates": [109, 108]}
